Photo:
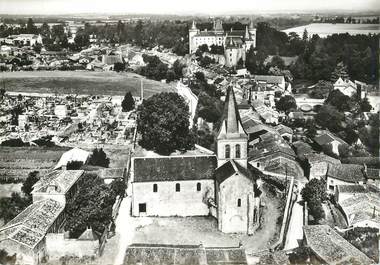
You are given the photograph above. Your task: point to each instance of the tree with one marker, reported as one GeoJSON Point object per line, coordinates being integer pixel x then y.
{"type": "Point", "coordinates": [27, 186]}
{"type": "Point", "coordinates": [178, 68]}
{"type": "Point", "coordinates": [2, 93]}
{"type": "Point", "coordinates": [74, 165]}
{"type": "Point", "coordinates": [314, 190]}
{"type": "Point", "coordinates": [91, 207]}
{"type": "Point", "coordinates": [277, 61]}
{"type": "Point", "coordinates": [339, 100]}
{"type": "Point", "coordinates": [99, 158]}
{"type": "Point", "coordinates": [5, 259]}
{"type": "Point", "coordinates": [305, 35]}
{"type": "Point", "coordinates": [339, 71]}
{"type": "Point", "coordinates": [321, 89]}
{"type": "Point", "coordinates": [365, 106]}
{"type": "Point", "coordinates": [128, 102]}
{"type": "Point", "coordinates": [30, 27]}
{"type": "Point", "coordinates": [286, 103]}
{"type": "Point", "coordinates": [164, 124]}
{"type": "Point", "coordinates": [118, 186]}
{"type": "Point", "coordinates": [329, 117]}
{"type": "Point", "coordinates": [119, 67]}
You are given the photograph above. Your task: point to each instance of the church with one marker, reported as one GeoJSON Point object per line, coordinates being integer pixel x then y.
{"type": "Point", "coordinates": [236, 43]}
{"type": "Point", "coordinates": [222, 185]}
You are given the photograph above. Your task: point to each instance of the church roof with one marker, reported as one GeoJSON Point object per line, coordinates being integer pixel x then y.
{"type": "Point", "coordinates": [174, 168]}
{"type": "Point", "coordinates": [231, 126]}
{"type": "Point", "coordinates": [218, 25]}
{"type": "Point", "coordinates": [230, 168]}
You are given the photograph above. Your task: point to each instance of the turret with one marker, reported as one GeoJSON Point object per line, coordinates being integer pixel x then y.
{"type": "Point", "coordinates": [192, 32]}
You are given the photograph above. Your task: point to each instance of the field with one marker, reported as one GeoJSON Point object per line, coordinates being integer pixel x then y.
{"type": "Point", "coordinates": [81, 82]}
{"type": "Point", "coordinates": [325, 29]}
{"type": "Point", "coordinates": [17, 162]}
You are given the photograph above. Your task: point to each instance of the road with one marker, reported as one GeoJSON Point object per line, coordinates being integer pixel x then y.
{"type": "Point", "coordinates": [295, 231]}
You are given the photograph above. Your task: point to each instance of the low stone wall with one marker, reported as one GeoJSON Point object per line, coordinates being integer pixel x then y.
{"type": "Point", "coordinates": [57, 246]}
{"type": "Point", "coordinates": [286, 219]}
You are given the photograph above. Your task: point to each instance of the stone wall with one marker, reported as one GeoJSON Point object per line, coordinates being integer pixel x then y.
{"type": "Point", "coordinates": [168, 202]}
{"type": "Point", "coordinates": [57, 246]}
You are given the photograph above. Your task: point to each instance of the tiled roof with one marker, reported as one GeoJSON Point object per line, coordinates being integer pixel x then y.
{"type": "Point", "coordinates": [283, 129]}
{"type": "Point", "coordinates": [316, 158]}
{"type": "Point", "coordinates": [373, 173]}
{"type": "Point", "coordinates": [30, 226]}
{"type": "Point", "coordinates": [62, 180]}
{"type": "Point", "coordinates": [327, 138]}
{"type": "Point", "coordinates": [346, 172]}
{"type": "Point", "coordinates": [331, 247]}
{"type": "Point", "coordinates": [360, 207]}
{"type": "Point", "coordinates": [231, 167]}
{"type": "Point", "coordinates": [148, 254]}
{"type": "Point", "coordinates": [272, 79]}
{"type": "Point", "coordinates": [351, 189]}
{"type": "Point", "coordinates": [172, 168]}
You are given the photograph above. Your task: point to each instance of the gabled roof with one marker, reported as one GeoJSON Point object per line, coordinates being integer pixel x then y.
{"type": "Point", "coordinates": [31, 225]}
{"type": "Point", "coordinates": [272, 79]}
{"type": "Point", "coordinates": [346, 172]}
{"type": "Point", "coordinates": [231, 126]}
{"type": "Point", "coordinates": [174, 168]}
{"type": "Point", "coordinates": [317, 158]}
{"type": "Point", "coordinates": [230, 168]}
{"type": "Point", "coordinates": [61, 180]}
{"type": "Point", "coordinates": [331, 247]}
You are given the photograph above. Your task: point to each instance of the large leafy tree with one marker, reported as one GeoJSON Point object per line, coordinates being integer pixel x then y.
{"type": "Point", "coordinates": [164, 124]}
{"type": "Point", "coordinates": [314, 193]}
{"type": "Point", "coordinates": [91, 207]}
{"type": "Point", "coordinates": [339, 100]}
{"type": "Point", "coordinates": [329, 117]}
{"type": "Point", "coordinates": [286, 103]}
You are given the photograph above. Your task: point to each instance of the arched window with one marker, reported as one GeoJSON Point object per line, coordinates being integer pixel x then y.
{"type": "Point", "coordinates": [199, 186]}
{"type": "Point", "coordinates": [237, 151]}
{"type": "Point", "coordinates": [155, 188]}
{"type": "Point", "coordinates": [177, 187]}
{"type": "Point", "coordinates": [239, 202]}
{"type": "Point", "coordinates": [227, 151]}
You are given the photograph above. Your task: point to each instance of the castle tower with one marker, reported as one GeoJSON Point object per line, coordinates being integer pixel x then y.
{"type": "Point", "coordinates": [248, 40]}
{"type": "Point", "coordinates": [232, 140]}
{"type": "Point", "coordinates": [252, 33]}
{"type": "Point", "coordinates": [192, 32]}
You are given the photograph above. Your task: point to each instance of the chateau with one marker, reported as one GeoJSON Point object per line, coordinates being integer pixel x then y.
{"type": "Point", "coordinates": [220, 185]}
{"type": "Point", "coordinates": [235, 42]}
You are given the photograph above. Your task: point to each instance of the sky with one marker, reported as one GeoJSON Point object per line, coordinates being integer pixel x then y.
{"type": "Point", "coordinates": [180, 7]}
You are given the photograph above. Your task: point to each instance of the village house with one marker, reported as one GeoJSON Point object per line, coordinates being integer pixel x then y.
{"type": "Point", "coordinates": [25, 234]}
{"type": "Point", "coordinates": [326, 138]}
{"type": "Point", "coordinates": [277, 83]}
{"type": "Point", "coordinates": [331, 248]}
{"type": "Point", "coordinates": [360, 205]}
{"type": "Point", "coordinates": [349, 88]}
{"type": "Point", "coordinates": [345, 174]}
{"type": "Point", "coordinates": [317, 165]}
{"type": "Point", "coordinates": [199, 185]}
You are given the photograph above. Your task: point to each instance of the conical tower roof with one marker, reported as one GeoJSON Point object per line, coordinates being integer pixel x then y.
{"type": "Point", "coordinates": [193, 26]}
{"type": "Point", "coordinates": [246, 35]}
{"type": "Point", "coordinates": [231, 126]}
{"type": "Point", "coordinates": [251, 26]}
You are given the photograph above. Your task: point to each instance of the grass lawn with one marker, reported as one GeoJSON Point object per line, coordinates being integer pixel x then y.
{"type": "Point", "coordinates": [81, 82]}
